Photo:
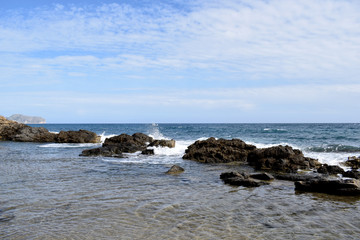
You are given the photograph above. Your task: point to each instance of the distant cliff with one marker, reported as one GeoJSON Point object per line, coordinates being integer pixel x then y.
{"type": "Point", "coordinates": [26, 119]}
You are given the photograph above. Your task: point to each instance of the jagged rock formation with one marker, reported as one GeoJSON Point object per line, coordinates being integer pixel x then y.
{"type": "Point", "coordinates": [218, 151]}
{"type": "Point", "coordinates": [124, 143]}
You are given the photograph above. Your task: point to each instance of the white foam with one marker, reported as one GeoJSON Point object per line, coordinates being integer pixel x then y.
{"type": "Point", "coordinates": [68, 145]}
{"type": "Point", "coordinates": [155, 132]}
{"type": "Point", "coordinates": [178, 150]}
{"type": "Point", "coordinates": [103, 136]}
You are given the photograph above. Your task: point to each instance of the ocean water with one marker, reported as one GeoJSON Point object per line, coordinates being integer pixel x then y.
{"type": "Point", "coordinates": [47, 191]}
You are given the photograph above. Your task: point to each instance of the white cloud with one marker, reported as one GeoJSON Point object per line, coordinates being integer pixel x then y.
{"type": "Point", "coordinates": [262, 39]}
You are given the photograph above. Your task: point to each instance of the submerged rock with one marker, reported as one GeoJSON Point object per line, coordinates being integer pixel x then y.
{"type": "Point", "coordinates": [337, 187]}
{"type": "Point", "coordinates": [280, 159]}
{"type": "Point", "coordinates": [262, 176]}
{"type": "Point", "coordinates": [218, 151]}
{"type": "Point", "coordinates": [108, 151]}
{"type": "Point", "coordinates": [175, 169]}
{"type": "Point", "coordinates": [241, 179]}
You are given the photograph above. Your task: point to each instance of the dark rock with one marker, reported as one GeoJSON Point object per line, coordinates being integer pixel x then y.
{"type": "Point", "coordinates": [353, 162]}
{"type": "Point", "coordinates": [175, 169]}
{"type": "Point", "coordinates": [336, 187]}
{"type": "Point", "coordinates": [262, 176]}
{"type": "Point", "coordinates": [218, 151]}
{"type": "Point", "coordinates": [240, 179]}
{"type": "Point", "coordinates": [14, 131]}
{"type": "Point", "coordinates": [108, 151]}
{"type": "Point", "coordinates": [280, 159]}
{"type": "Point", "coordinates": [352, 174]}
{"type": "Point", "coordinates": [162, 143]}
{"type": "Point", "coordinates": [297, 177]}
{"type": "Point", "coordinates": [81, 136]}
{"type": "Point", "coordinates": [148, 152]}
{"type": "Point", "coordinates": [129, 144]}
{"type": "Point", "coordinates": [330, 169]}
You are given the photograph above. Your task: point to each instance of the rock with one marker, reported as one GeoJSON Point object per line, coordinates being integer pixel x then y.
{"type": "Point", "coordinates": [175, 169]}
{"type": "Point", "coordinates": [108, 151]}
{"type": "Point", "coordinates": [336, 187]}
{"type": "Point", "coordinates": [330, 169]}
{"type": "Point", "coordinates": [81, 136]}
{"type": "Point", "coordinates": [352, 174]}
{"type": "Point", "coordinates": [240, 179]}
{"type": "Point", "coordinates": [19, 132]}
{"type": "Point", "coordinates": [262, 176]}
{"type": "Point", "coordinates": [297, 177]}
{"type": "Point", "coordinates": [129, 144]}
{"type": "Point", "coordinates": [280, 159]}
{"type": "Point", "coordinates": [218, 151]}
{"type": "Point", "coordinates": [162, 143]}
{"type": "Point", "coordinates": [353, 162]}
{"type": "Point", "coordinates": [125, 143]}
{"type": "Point", "coordinates": [148, 152]}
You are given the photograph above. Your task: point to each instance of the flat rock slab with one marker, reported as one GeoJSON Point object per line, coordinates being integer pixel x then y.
{"type": "Point", "coordinates": [348, 187]}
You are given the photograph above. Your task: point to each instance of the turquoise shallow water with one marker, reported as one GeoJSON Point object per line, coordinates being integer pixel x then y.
{"type": "Point", "coordinates": [49, 192]}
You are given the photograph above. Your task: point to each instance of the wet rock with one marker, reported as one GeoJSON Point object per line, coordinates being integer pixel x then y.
{"type": "Point", "coordinates": [352, 174]}
{"type": "Point", "coordinates": [162, 143]}
{"type": "Point", "coordinates": [241, 179]}
{"type": "Point", "coordinates": [148, 152]}
{"type": "Point", "coordinates": [297, 177]}
{"type": "Point", "coordinates": [81, 136]}
{"type": "Point", "coordinates": [175, 169]}
{"type": "Point", "coordinates": [108, 151]}
{"type": "Point", "coordinates": [124, 143]}
{"type": "Point", "coordinates": [262, 176]}
{"type": "Point", "coordinates": [353, 162]}
{"type": "Point", "coordinates": [330, 169]}
{"type": "Point", "coordinates": [218, 151]}
{"type": "Point", "coordinates": [336, 187]}
{"type": "Point", "coordinates": [129, 144]}
{"type": "Point", "coordinates": [280, 159]}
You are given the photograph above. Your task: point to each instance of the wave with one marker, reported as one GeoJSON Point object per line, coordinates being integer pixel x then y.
{"type": "Point", "coordinates": [277, 130]}
{"type": "Point", "coordinates": [69, 145]}
{"type": "Point", "coordinates": [334, 148]}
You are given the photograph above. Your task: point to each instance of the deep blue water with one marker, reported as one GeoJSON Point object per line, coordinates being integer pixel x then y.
{"type": "Point", "coordinates": [47, 191]}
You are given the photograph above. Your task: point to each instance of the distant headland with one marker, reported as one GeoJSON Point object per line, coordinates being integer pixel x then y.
{"type": "Point", "coordinates": [26, 119]}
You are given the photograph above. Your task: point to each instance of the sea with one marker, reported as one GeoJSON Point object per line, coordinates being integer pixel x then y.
{"type": "Point", "coordinates": [48, 191]}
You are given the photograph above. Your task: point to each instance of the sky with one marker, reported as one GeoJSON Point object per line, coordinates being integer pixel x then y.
{"type": "Point", "coordinates": [181, 61]}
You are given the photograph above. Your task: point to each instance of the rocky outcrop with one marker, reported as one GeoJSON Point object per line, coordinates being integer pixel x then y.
{"type": "Point", "coordinates": [124, 143]}
{"type": "Point", "coordinates": [280, 159]}
{"type": "Point", "coordinates": [330, 186]}
{"type": "Point", "coordinates": [218, 151]}
{"type": "Point", "coordinates": [241, 179]}
{"type": "Point", "coordinates": [81, 136]}
{"type": "Point", "coordinates": [19, 132]}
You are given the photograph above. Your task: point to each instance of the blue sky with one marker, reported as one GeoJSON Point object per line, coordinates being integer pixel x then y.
{"type": "Point", "coordinates": [91, 61]}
